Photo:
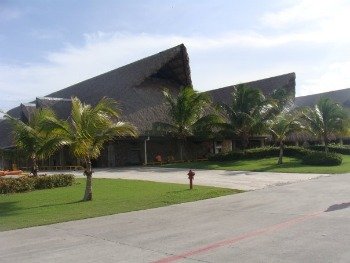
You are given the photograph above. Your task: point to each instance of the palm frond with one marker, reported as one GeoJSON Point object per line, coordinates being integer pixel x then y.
{"type": "Point", "coordinates": [164, 128]}
{"type": "Point", "coordinates": [32, 137]}
{"type": "Point", "coordinates": [90, 127]}
{"type": "Point", "coordinates": [184, 111]}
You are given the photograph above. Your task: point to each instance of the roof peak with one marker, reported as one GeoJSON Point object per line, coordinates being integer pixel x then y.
{"type": "Point", "coordinates": [291, 74]}
{"type": "Point", "coordinates": [53, 99]}
{"type": "Point", "coordinates": [324, 93]}
{"type": "Point", "coordinates": [29, 104]}
{"type": "Point", "coordinates": [180, 47]}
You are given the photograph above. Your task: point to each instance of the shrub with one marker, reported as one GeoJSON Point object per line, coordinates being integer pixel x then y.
{"type": "Point", "coordinates": [231, 156]}
{"type": "Point", "coordinates": [332, 148]}
{"type": "Point", "coordinates": [16, 185]}
{"type": "Point", "coordinates": [295, 151]}
{"type": "Point", "coordinates": [307, 156]}
{"type": "Point", "coordinates": [258, 153]}
{"type": "Point", "coordinates": [322, 158]}
{"type": "Point", "coordinates": [263, 152]}
{"type": "Point", "coordinates": [26, 183]}
{"type": "Point", "coordinates": [254, 153]}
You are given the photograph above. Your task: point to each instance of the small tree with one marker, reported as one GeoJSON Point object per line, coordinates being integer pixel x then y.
{"type": "Point", "coordinates": [282, 101]}
{"type": "Point", "coordinates": [247, 114]}
{"type": "Point", "coordinates": [2, 155]}
{"type": "Point", "coordinates": [32, 139]}
{"type": "Point", "coordinates": [187, 115]}
{"type": "Point", "coordinates": [283, 125]}
{"type": "Point", "coordinates": [88, 130]}
{"type": "Point", "coordinates": [326, 118]}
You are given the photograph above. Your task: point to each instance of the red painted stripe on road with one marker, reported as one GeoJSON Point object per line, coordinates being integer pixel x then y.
{"type": "Point", "coordinates": [241, 237]}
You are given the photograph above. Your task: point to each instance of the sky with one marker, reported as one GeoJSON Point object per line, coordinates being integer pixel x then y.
{"type": "Point", "coordinates": [48, 45]}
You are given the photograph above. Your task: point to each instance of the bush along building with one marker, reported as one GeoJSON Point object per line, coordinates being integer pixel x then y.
{"type": "Point", "coordinates": [138, 87]}
{"type": "Point", "coordinates": [341, 96]}
{"type": "Point", "coordinates": [223, 96]}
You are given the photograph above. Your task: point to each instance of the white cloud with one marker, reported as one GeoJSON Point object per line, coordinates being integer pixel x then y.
{"type": "Point", "coordinates": [7, 14]}
{"type": "Point", "coordinates": [305, 11]}
{"type": "Point", "coordinates": [103, 52]}
{"type": "Point", "coordinates": [319, 23]}
{"type": "Point", "coordinates": [315, 21]}
{"type": "Point", "coordinates": [335, 76]}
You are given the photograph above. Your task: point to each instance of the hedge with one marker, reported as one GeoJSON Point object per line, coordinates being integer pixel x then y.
{"type": "Point", "coordinates": [332, 148]}
{"type": "Point", "coordinates": [258, 153]}
{"type": "Point", "coordinates": [230, 156]}
{"type": "Point", "coordinates": [307, 156]}
{"type": "Point", "coordinates": [322, 158]}
{"type": "Point", "coordinates": [30, 183]}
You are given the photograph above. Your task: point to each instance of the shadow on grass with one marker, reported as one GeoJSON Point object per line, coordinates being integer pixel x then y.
{"type": "Point", "coordinates": [240, 167]}
{"type": "Point", "coordinates": [60, 204]}
{"type": "Point", "coordinates": [272, 167]}
{"type": "Point", "coordinates": [8, 208]}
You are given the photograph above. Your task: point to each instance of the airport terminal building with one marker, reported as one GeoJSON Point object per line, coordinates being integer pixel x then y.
{"type": "Point", "coordinates": [138, 89]}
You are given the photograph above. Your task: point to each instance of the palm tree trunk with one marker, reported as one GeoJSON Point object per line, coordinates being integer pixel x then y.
{"type": "Point", "coordinates": [88, 188]}
{"type": "Point", "coordinates": [181, 146]}
{"type": "Point", "coordinates": [245, 142]}
{"type": "Point", "coordinates": [280, 161]}
{"type": "Point", "coordinates": [181, 152]}
{"type": "Point", "coordinates": [326, 143]}
{"type": "Point", "coordinates": [35, 166]}
{"type": "Point", "coordinates": [326, 146]}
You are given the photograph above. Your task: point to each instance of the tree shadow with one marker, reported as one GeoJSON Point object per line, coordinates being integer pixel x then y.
{"type": "Point", "coordinates": [8, 208]}
{"type": "Point", "coordinates": [337, 207]}
{"type": "Point", "coordinates": [52, 205]}
{"type": "Point", "coordinates": [270, 168]}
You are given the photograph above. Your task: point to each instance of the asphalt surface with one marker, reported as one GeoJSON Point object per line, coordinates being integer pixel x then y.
{"type": "Point", "coordinates": [243, 180]}
{"type": "Point", "coordinates": [301, 222]}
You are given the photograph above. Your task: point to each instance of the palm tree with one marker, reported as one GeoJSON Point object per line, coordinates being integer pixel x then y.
{"type": "Point", "coordinates": [88, 130]}
{"type": "Point", "coordinates": [283, 125]}
{"type": "Point", "coordinates": [326, 118]}
{"type": "Point", "coordinates": [31, 138]}
{"type": "Point", "coordinates": [282, 100]}
{"type": "Point", "coordinates": [248, 113]}
{"type": "Point", "coordinates": [187, 116]}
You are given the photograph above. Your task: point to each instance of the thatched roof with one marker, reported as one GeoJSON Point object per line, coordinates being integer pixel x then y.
{"type": "Point", "coordinates": [62, 107]}
{"type": "Point", "coordinates": [6, 139]}
{"type": "Point", "coordinates": [267, 86]}
{"type": "Point", "coordinates": [27, 110]}
{"type": "Point", "coordinates": [341, 96]}
{"type": "Point", "coordinates": [137, 87]}
{"type": "Point", "coordinates": [21, 112]}
{"type": "Point", "coordinates": [125, 83]}
{"type": "Point", "coordinates": [15, 112]}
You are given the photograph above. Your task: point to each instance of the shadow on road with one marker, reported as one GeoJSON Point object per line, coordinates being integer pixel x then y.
{"type": "Point", "coordinates": [337, 207]}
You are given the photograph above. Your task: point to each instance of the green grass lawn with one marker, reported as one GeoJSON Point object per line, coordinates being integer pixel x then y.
{"type": "Point", "coordinates": [111, 196]}
{"type": "Point", "coordinates": [290, 165]}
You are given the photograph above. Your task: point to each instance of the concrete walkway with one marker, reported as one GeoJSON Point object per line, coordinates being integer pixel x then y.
{"type": "Point", "coordinates": [242, 180]}
{"type": "Point", "coordinates": [301, 222]}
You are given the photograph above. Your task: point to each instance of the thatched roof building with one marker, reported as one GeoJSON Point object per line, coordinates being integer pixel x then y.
{"type": "Point", "coordinates": [267, 86]}
{"type": "Point", "coordinates": [341, 96]}
{"type": "Point", "coordinates": [138, 88]}
{"type": "Point", "coordinates": [6, 139]}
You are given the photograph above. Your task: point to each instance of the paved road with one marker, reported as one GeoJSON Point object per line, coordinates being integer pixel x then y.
{"type": "Point", "coordinates": [302, 222]}
{"type": "Point", "coordinates": [243, 180]}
